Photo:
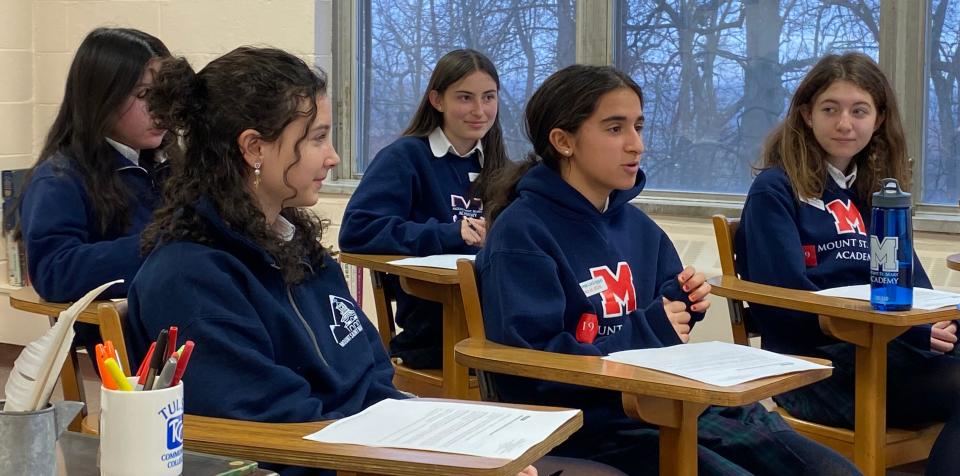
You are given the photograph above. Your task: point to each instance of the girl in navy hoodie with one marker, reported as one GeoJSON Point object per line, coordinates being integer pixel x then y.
{"type": "Point", "coordinates": [95, 185]}
{"type": "Point", "coordinates": [423, 194]}
{"type": "Point", "coordinates": [235, 261]}
{"type": "Point", "coordinates": [571, 267]}
{"type": "Point", "coordinates": [805, 225]}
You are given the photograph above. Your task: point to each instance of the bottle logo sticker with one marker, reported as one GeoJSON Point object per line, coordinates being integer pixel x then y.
{"type": "Point", "coordinates": [883, 260]}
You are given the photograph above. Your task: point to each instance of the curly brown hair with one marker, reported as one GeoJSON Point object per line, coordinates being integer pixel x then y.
{"type": "Point", "coordinates": [793, 147]}
{"type": "Point", "coordinates": [263, 89]}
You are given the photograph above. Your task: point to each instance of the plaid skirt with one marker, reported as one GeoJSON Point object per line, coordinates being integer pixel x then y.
{"type": "Point", "coordinates": [731, 441]}
{"type": "Point", "coordinates": [921, 386]}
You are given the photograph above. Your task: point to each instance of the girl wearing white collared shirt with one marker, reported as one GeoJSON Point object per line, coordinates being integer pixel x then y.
{"type": "Point", "coordinates": [423, 194]}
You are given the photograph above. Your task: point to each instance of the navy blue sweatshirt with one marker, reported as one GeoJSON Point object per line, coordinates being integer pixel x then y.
{"type": "Point", "coordinates": [409, 202]}
{"type": "Point", "coordinates": [813, 244]}
{"type": "Point", "coordinates": [66, 254]}
{"type": "Point", "coordinates": [265, 351]}
{"type": "Point", "coordinates": [558, 275]}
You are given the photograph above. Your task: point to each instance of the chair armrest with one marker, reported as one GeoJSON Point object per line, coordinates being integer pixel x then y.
{"type": "Point", "coordinates": [732, 287]}
{"type": "Point", "coordinates": [593, 371]}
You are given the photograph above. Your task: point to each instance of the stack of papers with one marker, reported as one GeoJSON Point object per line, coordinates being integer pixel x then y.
{"type": "Point", "coordinates": [926, 299]}
{"type": "Point", "coordinates": [433, 261]}
{"type": "Point", "coordinates": [449, 427]}
{"type": "Point", "coordinates": [716, 363]}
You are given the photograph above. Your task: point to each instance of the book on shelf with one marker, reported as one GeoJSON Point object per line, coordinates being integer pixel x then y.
{"type": "Point", "coordinates": [11, 186]}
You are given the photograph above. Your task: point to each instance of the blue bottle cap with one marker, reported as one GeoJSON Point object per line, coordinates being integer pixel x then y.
{"type": "Point", "coordinates": [890, 195]}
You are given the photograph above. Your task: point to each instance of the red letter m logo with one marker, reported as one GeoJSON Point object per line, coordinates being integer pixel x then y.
{"type": "Point", "coordinates": [619, 297]}
{"type": "Point", "coordinates": [846, 217]}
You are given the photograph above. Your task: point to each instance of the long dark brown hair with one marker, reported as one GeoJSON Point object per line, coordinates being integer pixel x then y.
{"type": "Point", "coordinates": [106, 68]}
{"type": "Point", "coordinates": [264, 89]}
{"type": "Point", "coordinates": [453, 67]}
{"type": "Point", "coordinates": [793, 147]}
{"type": "Point", "coordinates": [564, 101]}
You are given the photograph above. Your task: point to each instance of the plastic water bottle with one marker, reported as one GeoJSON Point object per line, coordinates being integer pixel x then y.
{"type": "Point", "coordinates": [891, 249]}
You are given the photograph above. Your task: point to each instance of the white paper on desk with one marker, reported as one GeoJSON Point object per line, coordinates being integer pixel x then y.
{"type": "Point", "coordinates": [433, 261]}
{"type": "Point", "coordinates": [923, 298]}
{"type": "Point", "coordinates": [449, 427]}
{"type": "Point", "coordinates": [716, 363]}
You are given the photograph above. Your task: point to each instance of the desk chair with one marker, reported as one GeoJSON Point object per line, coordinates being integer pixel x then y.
{"type": "Point", "coordinates": [672, 403]}
{"type": "Point", "coordinates": [421, 382]}
{"type": "Point", "coordinates": [902, 446]}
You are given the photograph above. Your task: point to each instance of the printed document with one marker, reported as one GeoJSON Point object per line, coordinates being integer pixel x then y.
{"type": "Point", "coordinates": [716, 363]}
{"type": "Point", "coordinates": [923, 298]}
{"type": "Point", "coordinates": [433, 261]}
{"type": "Point", "coordinates": [449, 427]}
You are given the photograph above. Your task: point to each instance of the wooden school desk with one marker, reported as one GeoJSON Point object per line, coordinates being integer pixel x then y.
{"type": "Point", "coordinates": [283, 443]}
{"type": "Point", "coordinates": [26, 299]}
{"type": "Point", "coordinates": [673, 403]}
{"type": "Point", "coordinates": [432, 284]}
{"type": "Point", "coordinates": [953, 262]}
{"type": "Point", "coordinates": [856, 322]}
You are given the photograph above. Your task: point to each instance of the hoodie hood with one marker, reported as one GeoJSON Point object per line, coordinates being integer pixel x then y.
{"type": "Point", "coordinates": [229, 238]}
{"type": "Point", "coordinates": [547, 183]}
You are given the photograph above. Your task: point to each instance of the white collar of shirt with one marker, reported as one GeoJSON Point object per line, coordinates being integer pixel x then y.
{"type": "Point", "coordinates": [284, 229]}
{"type": "Point", "coordinates": [133, 155]}
{"type": "Point", "coordinates": [606, 205]}
{"type": "Point", "coordinates": [843, 181]}
{"type": "Point", "coordinates": [440, 146]}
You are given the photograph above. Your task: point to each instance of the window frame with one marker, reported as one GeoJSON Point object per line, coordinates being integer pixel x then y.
{"type": "Point", "coordinates": [903, 28]}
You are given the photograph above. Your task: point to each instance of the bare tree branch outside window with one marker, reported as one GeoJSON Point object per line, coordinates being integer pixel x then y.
{"type": "Point", "coordinates": [526, 39]}
{"type": "Point", "coordinates": [717, 76]}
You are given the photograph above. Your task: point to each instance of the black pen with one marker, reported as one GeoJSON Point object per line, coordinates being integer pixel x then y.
{"type": "Point", "coordinates": [156, 362]}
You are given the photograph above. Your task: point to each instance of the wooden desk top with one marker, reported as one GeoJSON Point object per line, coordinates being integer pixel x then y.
{"type": "Point", "coordinates": [595, 372]}
{"type": "Point", "coordinates": [953, 262]}
{"type": "Point", "coordinates": [806, 301]}
{"type": "Point", "coordinates": [422, 273]}
{"type": "Point", "coordinates": [26, 299]}
{"type": "Point", "coordinates": [283, 443]}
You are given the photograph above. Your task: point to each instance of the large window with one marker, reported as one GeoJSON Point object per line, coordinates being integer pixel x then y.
{"type": "Point", "coordinates": [717, 76]}
{"type": "Point", "coordinates": [401, 41]}
{"type": "Point", "coordinates": [941, 161]}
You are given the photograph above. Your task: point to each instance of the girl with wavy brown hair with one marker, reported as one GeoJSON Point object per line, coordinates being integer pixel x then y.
{"type": "Point", "coordinates": [805, 225]}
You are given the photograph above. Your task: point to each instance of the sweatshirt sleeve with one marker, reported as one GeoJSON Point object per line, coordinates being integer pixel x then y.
{"type": "Point", "coordinates": [669, 266]}
{"type": "Point", "coordinates": [523, 311]}
{"type": "Point", "coordinates": [62, 260]}
{"type": "Point", "coordinates": [378, 216]}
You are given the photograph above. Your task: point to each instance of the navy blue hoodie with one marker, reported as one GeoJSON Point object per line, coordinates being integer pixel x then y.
{"type": "Point", "coordinates": [814, 244]}
{"type": "Point", "coordinates": [265, 351]}
{"type": "Point", "coordinates": [558, 275]}
{"type": "Point", "coordinates": [409, 202]}
{"type": "Point", "coordinates": [66, 254]}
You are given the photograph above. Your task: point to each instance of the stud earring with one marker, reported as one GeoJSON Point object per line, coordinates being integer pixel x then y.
{"type": "Point", "coordinates": [256, 174]}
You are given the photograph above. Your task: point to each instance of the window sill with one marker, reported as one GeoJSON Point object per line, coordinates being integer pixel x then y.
{"type": "Point", "coordinates": [703, 205]}
{"type": "Point", "coordinates": [339, 187]}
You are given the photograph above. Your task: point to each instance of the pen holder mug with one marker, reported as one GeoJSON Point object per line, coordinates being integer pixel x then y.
{"type": "Point", "coordinates": [29, 438]}
{"type": "Point", "coordinates": [141, 432]}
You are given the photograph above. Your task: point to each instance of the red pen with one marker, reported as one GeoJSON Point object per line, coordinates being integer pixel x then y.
{"type": "Point", "coordinates": [142, 372]}
{"type": "Point", "coordinates": [172, 344]}
{"type": "Point", "coordinates": [182, 363]}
